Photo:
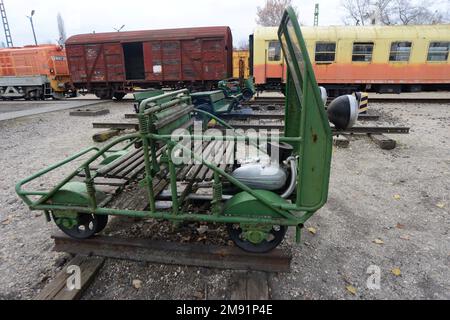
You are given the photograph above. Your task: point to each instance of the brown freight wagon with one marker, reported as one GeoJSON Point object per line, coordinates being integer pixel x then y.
{"type": "Point", "coordinates": [112, 64]}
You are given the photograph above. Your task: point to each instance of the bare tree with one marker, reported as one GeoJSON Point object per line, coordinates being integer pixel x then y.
{"type": "Point", "coordinates": [271, 14]}
{"type": "Point", "coordinates": [61, 29]}
{"type": "Point", "coordinates": [243, 45]}
{"type": "Point", "coordinates": [383, 12]}
{"type": "Point", "coordinates": [408, 13]}
{"type": "Point", "coordinates": [389, 12]}
{"type": "Point", "coordinates": [358, 11]}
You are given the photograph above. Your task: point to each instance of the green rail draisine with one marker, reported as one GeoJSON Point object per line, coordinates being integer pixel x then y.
{"type": "Point", "coordinates": [257, 218]}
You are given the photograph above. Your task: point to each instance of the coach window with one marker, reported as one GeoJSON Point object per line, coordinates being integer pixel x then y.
{"type": "Point", "coordinates": [362, 51]}
{"type": "Point", "coordinates": [325, 52]}
{"type": "Point", "coordinates": [438, 51]}
{"type": "Point", "coordinates": [400, 51]}
{"type": "Point", "coordinates": [274, 53]}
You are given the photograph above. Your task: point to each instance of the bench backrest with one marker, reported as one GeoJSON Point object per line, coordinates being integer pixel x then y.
{"type": "Point", "coordinates": [162, 114]}
{"type": "Point", "coordinates": [305, 117]}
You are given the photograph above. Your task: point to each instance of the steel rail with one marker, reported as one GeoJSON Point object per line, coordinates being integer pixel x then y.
{"type": "Point", "coordinates": [354, 130]}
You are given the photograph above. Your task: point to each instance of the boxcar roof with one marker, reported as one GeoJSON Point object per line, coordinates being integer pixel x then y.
{"type": "Point", "coordinates": [149, 35]}
{"type": "Point", "coordinates": [33, 48]}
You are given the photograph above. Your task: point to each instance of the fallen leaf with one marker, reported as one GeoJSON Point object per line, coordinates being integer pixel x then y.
{"type": "Point", "coordinates": [202, 229]}
{"type": "Point", "coordinates": [400, 226]}
{"type": "Point", "coordinates": [405, 237]}
{"type": "Point", "coordinates": [440, 205]}
{"type": "Point", "coordinates": [396, 196]}
{"type": "Point", "coordinates": [351, 289]}
{"type": "Point", "coordinates": [222, 253]}
{"type": "Point", "coordinates": [7, 221]}
{"type": "Point", "coordinates": [198, 295]}
{"type": "Point", "coordinates": [137, 283]}
{"type": "Point", "coordinates": [312, 230]}
{"type": "Point", "coordinates": [378, 241]}
{"type": "Point", "coordinates": [396, 272]}
{"type": "Point", "coordinates": [185, 239]}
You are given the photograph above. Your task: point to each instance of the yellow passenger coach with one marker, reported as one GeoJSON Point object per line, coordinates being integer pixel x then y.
{"type": "Point", "coordinates": [372, 58]}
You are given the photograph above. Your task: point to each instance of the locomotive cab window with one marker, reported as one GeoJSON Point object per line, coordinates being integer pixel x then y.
{"type": "Point", "coordinates": [400, 51]}
{"type": "Point", "coordinates": [325, 52]}
{"type": "Point", "coordinates": [274, 52]}
{"type": "Point", "coordinates": [362, 52]}
{"type": "Point", "coordinates": [438, 51]}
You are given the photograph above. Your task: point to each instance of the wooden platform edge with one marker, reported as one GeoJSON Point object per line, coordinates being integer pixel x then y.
{"type": "Point", "coordinates": [89, 112]}
{"type": "Point", "coordinates": [201, 255]}
{"type": "Point", "coordinates": [57, 289]}
{"type": "Point", "coordinates": [341, 141]}
{"type": "Point", "coordinates": [383, 142]}
{"type": "Point", "coordinates": [252, 285]}
{"type": "Point", "coordinates": [105, 135]}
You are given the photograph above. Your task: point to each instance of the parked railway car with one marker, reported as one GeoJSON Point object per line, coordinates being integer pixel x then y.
{"type": "Point", "coordinates": [111, 64]}
{"type": "Point", "coordinates": [241, 63]}
{"type": "Point", "coordinates": [33, 72]}
{"type": "Point", "coordinates": [369, 58]}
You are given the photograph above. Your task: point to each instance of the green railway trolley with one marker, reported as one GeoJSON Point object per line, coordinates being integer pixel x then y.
{"type": "Point", "coordinates": [256, 201]}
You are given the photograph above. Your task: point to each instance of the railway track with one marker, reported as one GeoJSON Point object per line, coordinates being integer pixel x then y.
{"type": "Point", "coordinates": [353, 130]}
{"type": "Point", "coordinates": [267, 101]}
{"type": "Point", "coordinates": [269, 126]}
{"type": "Point", "coordinates": [90, 255]}
{"type": "Point", "coordinates": [265, 116]}
{"type": "Point", "coordinates": [280, 116]}
{"type": "Point", "coordinates": [409, 100]}
{"type": "Point", "coordinates": [99, 100]}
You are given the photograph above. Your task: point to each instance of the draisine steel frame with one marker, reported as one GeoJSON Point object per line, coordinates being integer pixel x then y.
{"type": "Point", "coordinates": [306, 129]}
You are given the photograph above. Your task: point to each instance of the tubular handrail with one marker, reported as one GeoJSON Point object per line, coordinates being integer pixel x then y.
{"type": "Point", "coordinates": [46, 195]}
{"type": "Point", "coordinates": [22, 193]}
{"type": "Point", "coordinates": [143, 104]}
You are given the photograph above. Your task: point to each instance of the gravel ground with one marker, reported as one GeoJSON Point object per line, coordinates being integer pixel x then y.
{"type": "Point", "coordinates": [398, 198]}
{"type": "Point", "coordinates": [28, 145]}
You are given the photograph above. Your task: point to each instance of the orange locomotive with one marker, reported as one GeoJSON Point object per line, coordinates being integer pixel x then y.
{"type": "Point", "coordinates": [34, 72]}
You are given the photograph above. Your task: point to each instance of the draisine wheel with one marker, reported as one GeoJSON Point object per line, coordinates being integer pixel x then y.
{"type": "Point", "coordinates": [256, 239]}
{"type": "Point", "coordinates": [83, 226]}
{"type": "Point", "coordinates": [102, 222]}
{"type": "Point", "coordinates": [247, 94]}
{"type": "Point", "coordinates": [119, 95]}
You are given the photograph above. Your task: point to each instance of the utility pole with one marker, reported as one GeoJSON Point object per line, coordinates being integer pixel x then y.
{"type": "Point", "coordinates": [9, 42]}
{"type": "Point", "coordinates": [32, 25]}
{"type": "Point", "coordinates": [316, 15]}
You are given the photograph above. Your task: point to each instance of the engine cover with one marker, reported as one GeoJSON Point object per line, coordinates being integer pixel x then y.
{"type": "Point", "coordinates": [260, 176]}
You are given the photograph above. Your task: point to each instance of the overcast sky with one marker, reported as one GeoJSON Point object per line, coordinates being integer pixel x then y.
{"type": "Point", "coordinates": [85, 16]}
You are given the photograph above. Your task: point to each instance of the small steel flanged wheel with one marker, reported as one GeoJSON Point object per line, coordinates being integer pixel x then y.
{"type": "Point", "coordinates": [247, 94]}
{"type": "Point", "coordinates": [83, 227]}
{"type": "Point", "coordinates": [119, 95]}
{"type": "Point", "coordinates": [102, 222]}
{"type": "Point", "coordinates": [256, 241]}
